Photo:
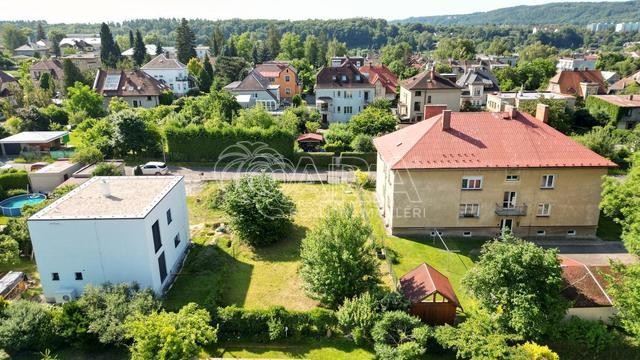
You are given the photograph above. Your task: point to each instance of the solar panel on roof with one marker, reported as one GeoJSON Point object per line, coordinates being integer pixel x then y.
{"type": "Point", "coordinates": [111, 82]}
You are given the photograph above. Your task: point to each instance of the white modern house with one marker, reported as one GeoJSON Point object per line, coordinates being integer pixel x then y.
{"type": "Point", "coordinates": [170, 71]}
{"type": "Point", "coordinates": [112, 229]}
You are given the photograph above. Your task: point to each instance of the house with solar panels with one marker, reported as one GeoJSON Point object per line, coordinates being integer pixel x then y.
{"type": "Point", "coordinates": [136, 87]}
{"type": "Point", "coordinates": [467, 174]}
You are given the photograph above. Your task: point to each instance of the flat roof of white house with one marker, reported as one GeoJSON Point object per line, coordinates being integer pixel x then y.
{"type": "Point", "coordinates": [56, 167]}
{"type": "Point", "coordinates": [34, 137]}
{"type": "Point", "coordinates": [129, 197]}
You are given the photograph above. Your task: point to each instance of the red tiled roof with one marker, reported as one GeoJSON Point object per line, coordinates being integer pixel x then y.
{"type": "Point", "coordinates": [628, 81]}
{"type": "Point", "coordinates": [382, 73]}
{"type": "Point", "coordinates": [569, 81]}
{"type": "Point", "coordinates": [131, 83]}
{"type": "Point", "coordinates": [311, 137]}
{"type": "Point", "coordinates": [484, 140]}
{"type": "Point", "coordinates": [425, 280]}
{"type": "Point", "coordinates": [584, 285]}
{"type": "Point", "coordinates": [627, 101]}
{"type": "Point", "coordinates": [272, 69]}
{"type": "Point", "coordinates": [428, 80]}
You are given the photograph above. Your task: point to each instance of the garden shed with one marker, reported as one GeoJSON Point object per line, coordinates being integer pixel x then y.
{"type": "Point", "coordinates": [431, 295]}
{"type": "Point", "coordinates": [311, 142]}
{"type": "Point", "coordinates": [45, 180]}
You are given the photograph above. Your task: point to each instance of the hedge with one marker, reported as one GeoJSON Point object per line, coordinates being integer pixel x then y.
{"type": "Point", "coordinates": [264, 325]}
{"type": "Point", "coordinates": [197, 143]}
{"type": "Point", "coordinates": [360, 160]}
{"type": "Point", "coordinates": [14, 180]}
{"type": "Point", "coordinates": [321, 160]}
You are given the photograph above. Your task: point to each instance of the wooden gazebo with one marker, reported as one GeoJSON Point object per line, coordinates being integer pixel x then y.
{"type": "Point", "coordinates": [431, 295]}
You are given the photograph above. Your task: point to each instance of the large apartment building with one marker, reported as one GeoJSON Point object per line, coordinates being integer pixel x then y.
{"type": "Point", "coordinates": [476, 173]}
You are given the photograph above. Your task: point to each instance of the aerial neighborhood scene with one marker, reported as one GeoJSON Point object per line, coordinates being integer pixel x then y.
{"type": "Point", "coordinates": [346, 180]}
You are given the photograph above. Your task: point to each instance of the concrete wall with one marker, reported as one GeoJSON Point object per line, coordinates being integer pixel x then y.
{"type": "Point", "coordinates": [431, 198]}
{"type": "Point", "coordinates": [46, 182]}
{"type": "Point", "coordinates": [603, 314]}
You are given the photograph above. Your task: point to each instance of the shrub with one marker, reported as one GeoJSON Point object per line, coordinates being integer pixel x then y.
{"type": "Point", "coordinates": [363, 180]}
{"type": "Point", "coordinates": [592, 337]}
{"type": "Point", "coordinates": [356, 316]}
{"type": "Point", "coordinates": [72, 325]}
{"type": "Point", "coordinates": [533, 351]}
{"type": "Point", "coordinates": [337, 261]}
{"type": "Point", "coordinates": [16, 192]}
{"type": "Point", "coordinates": [260, 212]}
{"type": "Point", "coordinates": [312, 126]}
{"type": "Point", "coordinates": [13, 179]}
{"type": "Point", "coordinates": [106, 169]}
{"type": "Point", "coordinates": [398, 335]}
{"type": "Point", "coordinates": [365, 161]}
{"type": "Point", "coordinates": [363, 143]}
{"type": "Point", "coordinates": [25, 325]}
{"type": "Point", "coordinates": [87, 155]}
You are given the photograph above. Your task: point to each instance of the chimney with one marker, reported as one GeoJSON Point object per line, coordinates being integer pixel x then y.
{"type": "Point", "coordinates": [446, 120]}
{"type": "Point", "coordinates": [431, 110]}
{"type": "Point", "coordinates": [106, 189]}
{"type": "Point", "coordinates": [542, 113]}
{"type": "Point", "coordinates": [511, 112]}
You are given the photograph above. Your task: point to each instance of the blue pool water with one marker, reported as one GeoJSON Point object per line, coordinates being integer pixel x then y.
{"type": "Point", "coordinates": [13, 205]}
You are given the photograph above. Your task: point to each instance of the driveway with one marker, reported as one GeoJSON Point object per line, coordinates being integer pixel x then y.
{"type": "Point", "coordinates": [591, 252]}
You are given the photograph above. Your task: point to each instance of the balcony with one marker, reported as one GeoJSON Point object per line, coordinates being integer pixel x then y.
{"type": "Point", "coordinates": [511, 210]}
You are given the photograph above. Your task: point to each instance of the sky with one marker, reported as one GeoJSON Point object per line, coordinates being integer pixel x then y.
{"type": "Point", "coordinates": [87, 11]}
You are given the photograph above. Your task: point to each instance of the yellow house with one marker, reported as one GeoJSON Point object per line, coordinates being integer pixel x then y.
{"type": "Point", "coordinates": [424, 89]}
{"type": "Point", "coordinates": [283, 74]}
{"type": "Point", "coordinates": [474, 174]}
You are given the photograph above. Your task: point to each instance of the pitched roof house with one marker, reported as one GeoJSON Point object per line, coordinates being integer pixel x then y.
{"type": "Point", "coordinates": [578, 83]}
{"type": "Point", "coordinates": [476, 85]}
{"type": "Point", "coordinates": [383, 79]}
{"type": "Point", "coordinates": [627, 108]}
{"type": "Point", "coordinates": [631, 80]}
{"type": "Point", "coordinates": [169, 71]}
{"type": "Point", "coordinates": [136, 87]}
{"type": "Point", "coordinates": [428, 87]}
{"type": "Point", "coordinates": [256, 89]}
{"type": "Point", "coordinates": [52, 66]}
{"type": "Point", "coordinates": [5, 81]}
{"type": "Point", "coordinates": [585, 286]}
{"type": "Point", "coordinates": [464, 173]}
{"type": "Point", "coordinates": [282, 74]}
{"type": "Point", "coordinates": [40, 47]}
{"type": "Point", "coordinates": [341, 92]}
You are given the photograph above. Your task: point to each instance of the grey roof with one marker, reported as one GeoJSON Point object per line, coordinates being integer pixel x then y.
{"type": "Point", "coordinates": [163, 62]}
{"type": "Point", "coordinates": [479, 76]}
{"type": "Point", "coordinates": [253, 82]}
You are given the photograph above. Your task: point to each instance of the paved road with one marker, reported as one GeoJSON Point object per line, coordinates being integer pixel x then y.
{"type": "Point", "coordinates": [590, 252]}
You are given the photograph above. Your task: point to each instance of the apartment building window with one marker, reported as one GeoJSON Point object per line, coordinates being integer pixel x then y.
{"type": "Point", "coordinates": [157, 241]}
{"type": "Point", "coordinates": [287, 78]}
{"type": "Point", "coordinates": [541, 233]}
{"type": "Point", "coordinates": [544, 209]}
{"type": "Point", "coordinates": [467, 234]}
{"type": "Point", "coordinates": [169, 217]}
{"type": "Point", "coordinates": [416, 106]}
{"type": "Point", "coordinates": [469, 210]}
{"type": "Point", "coordinates": [571, 233]}
{"type": "Point", "coordinates": [55, 276]}
{"type": "Point", "coordinates": [418, 93]}
{"type": "Point", "coordinates": [287, 91]}
{"type": "Point", "coordinates": [509, 200]}
{"type": "Point", "coordinates": [348, 109]}
{"type": "Point", "coordinates": [338, 109]}
{"type": "Point", "coordinates": [429, 99]}
{"type": "Point", "coordinates": [162, 267]}
{"type": "Point", "coordinates": [548, 181]}
{"type": "Point", "coordinates": [339, 92]}
{"type": "Point", "coordinates": [78, 276]}
{"type": "Point", "coordinates": [176, 240]}
{"type": "Point", "coordinates": [348, 94]}
{"type": "Point", "coordinates": [472, 183]}
{"type": "Point", "coordinates": [513, 178]}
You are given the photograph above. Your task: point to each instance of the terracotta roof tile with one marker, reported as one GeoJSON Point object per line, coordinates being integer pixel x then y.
{"type": "Point", "coordinates": [584, 285]}
{"type": "Point", "coordinates": [131, 83]}
{"type": "Point", "coordinates": [569, 81]}
{"type": "Point", "coordinates": [381, 73]}
{"type": "Point", "coordinates": [425, 280]}
{"type": "Point", "coordinates": [484, 140]}
{"type": "Point", "coordinates": [428, 80]}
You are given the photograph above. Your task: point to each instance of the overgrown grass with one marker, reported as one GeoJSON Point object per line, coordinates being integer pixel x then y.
{"type": "Point", "coordinates": [333, 348]}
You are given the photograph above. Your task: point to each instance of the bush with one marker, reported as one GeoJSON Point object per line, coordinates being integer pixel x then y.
{"type": "Point", "coordinates": [260, 213]}
{"type": "Point", "coordinates": [592, 337]}
{"type": "Point", "coordinates": [72, 324]}
{"type": "Point", "coordinates": [87, 155]}
{"type": "Point", "coordinates": [106, 169]}
{"type": "Point", "coordinates": [365, 161]}
{"type": "Point", "coordinates": [533, 351]}
{"type": "Point", "coordinates": [357, 316]}
{"type": "Point", "coordinates": [13, 179]}
{"type": "Point", "coordinates": [313, 160]}
{"type": "Point", "coordinates": [16, 192]}
{"type": "Point", "coordinates": [312, 126]}
{"type": "Point", "coordinates": [25, 325]}
{"type": "Point", "coordinates": [363, 180]}
{"type": "Point", "coordinates": [398, 335]}
{"type": "Point", "coordinates": [137, 171]}
{"type": "Point", "coordinates": [363, 143]}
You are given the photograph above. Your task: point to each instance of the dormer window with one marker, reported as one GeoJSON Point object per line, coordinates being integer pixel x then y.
{"type": "Point", "coordinates": [344, 78]}
{"type": "Point", "coordinates": [357, 77]}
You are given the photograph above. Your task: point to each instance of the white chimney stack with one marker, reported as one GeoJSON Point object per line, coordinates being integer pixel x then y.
{"type": "Point", "coordinates": [106, 189]}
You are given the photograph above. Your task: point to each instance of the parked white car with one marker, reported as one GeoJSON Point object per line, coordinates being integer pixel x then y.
{"type": "Point", "coordinates": [154, 168]}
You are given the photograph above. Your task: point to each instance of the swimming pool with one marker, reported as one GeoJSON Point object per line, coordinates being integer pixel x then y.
{"type": "Point", "coordinates": [13, 205]}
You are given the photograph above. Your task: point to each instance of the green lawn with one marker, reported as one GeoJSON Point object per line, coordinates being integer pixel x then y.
{"type": "Point", "coordinates": [334, 348]}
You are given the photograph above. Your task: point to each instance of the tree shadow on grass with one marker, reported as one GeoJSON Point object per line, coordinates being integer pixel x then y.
{"type": "Point", "coordinates": [285, 250]}
{"type": "Point", "coordinates": [207, 274]}
{"type": "Point", "coordinates": [334, 347]}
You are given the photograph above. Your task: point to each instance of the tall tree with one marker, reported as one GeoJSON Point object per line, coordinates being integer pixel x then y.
{"type": "Point", "coordinates": [335, 48]}
{"type": "Point", "coordinates": [55, 36]}
{"type": "Point", "coordinates": [273, 41]}
{"type": "Point", "coordinates": [71, 74]}
{"type": "Point", "coordinates": [217, 41]}
{"type": "Point", "coordinates": [40, 34]}
{"type": "Point", "coordinates": [132, 39]}
{"type": "Point", "coordinates": [312, 51]}
{"type": "Point", "coordinates": [185, 42]}
{"type": "Point", "coordinates": [206, 75]}
{"type": "Point", "coordinates": [13, 37]}
{"type": "Point", "coordinates": [46, 82]}
{"type": "Point", "coordinates": [159, 49]}
{"type": "Point", "coordinates": [291, 47]}
{"type": "Point", "coordinates": [323, 43]}
{"type": "Point", "coordinates": [109, 50]}
{"type": "Point", "coordinates": [139, 50]}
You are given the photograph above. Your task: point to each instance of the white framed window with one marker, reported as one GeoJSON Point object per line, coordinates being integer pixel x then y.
{"type": "Point", "coordinates": [541, 233]}
{"type": "Point", "coordinates": [512, 178]}
{"type": "Point", "coordinates": [348, 94]}
{"type": "Point", "coordinates": [571, 233]}
{"type": "Point", "coordinates": [467, 234]}
{"type": "Point", "coordinates": [348, 109]}
{"type": "Point", "coordinates": [471, 182]}
{"type": "Point", "coordinates": [548, 181]}
{"type": "Point", "coordinates": [469, 210]}
{"type": "Point", "coordinates": [544, 209]}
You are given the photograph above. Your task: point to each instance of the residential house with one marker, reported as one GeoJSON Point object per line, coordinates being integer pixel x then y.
{"type": "Point", "coordinates": [611, 77]}
{"type": "Point", "coordinates": [81, 42]}
{"type": "Point", "coordinates": [85, 61]}
{"type": "Point", "coordinates": [39, 48]}
{"type": "Point", "coordinates": [254, 90]}
{"type": "Point", "coordinates": [467, 174]}
{"type": "Point", "coordinates": [6, 82]}
{"type": "Point", "coordinates": [136, 87]}
{"type": "Point", "coordinates": [170, 52]}
{"type": "Point", "coordinates": [578, 83]}
{"type": "Point", "coordinates": [476, 84]}
{"type": "Point", "coordinates": [120, 229]}
{"type": "Point", "coordinates": [622, 84]}
{"type": "Point", "coordinates": [341, 92]}
{"type": "Point", "coordinates": [587, 62]}
{"type": "Point", "coordinates": [284, 75]}
{"type": "Point", "coordinates": [383, 80]}
{"type": "Point", "coordinates": [497, 60]}
{"type": "Point", "coordinates": [625, 109]}
{"type": "Point", "coordinates": [428, 87]}
{"type": "Point", "coordinates": [584, 287]}
{"type": "Point", "coordinates": [497, 102]}
{"type": "Point", "coordinates": [169, 71]}
{"type": "Point", "coordinates": [201, 51]}
{"type": "Point", "coordinates": [51, 66]}
{"type": "Point", "coordinates": [338, 61]}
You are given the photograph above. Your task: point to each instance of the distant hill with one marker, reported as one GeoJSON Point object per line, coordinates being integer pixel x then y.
{"type": "Point", "coordinates": [576, 13]}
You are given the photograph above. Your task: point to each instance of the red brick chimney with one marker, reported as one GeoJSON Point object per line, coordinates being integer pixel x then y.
{"type": "Point", "coordinates": [431, 110]}
{"type": "Point", "coordinates": [542, 113]}
{"type": "Point", "coordinates": [446, 120]}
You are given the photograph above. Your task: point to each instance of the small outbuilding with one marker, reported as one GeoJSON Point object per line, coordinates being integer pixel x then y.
{"type": "Point", "coordinates": [37, 142]}
{"type": "Point", "coordinates": [46, 179]}
{"type": "Point", "coordinates": [12, 284]}
{"type": "Point", "coordinates": [585, 289]}
{"type": "Point", "coordinates": [431, 295]}
{"type": "Point", "coordinates": [310, 141]}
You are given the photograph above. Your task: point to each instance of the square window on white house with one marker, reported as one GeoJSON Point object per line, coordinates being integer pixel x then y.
{"type": "Point", "coordinates": [571, 233]}
{"type": "Point", "coordinates": [541, 233]}
{"type": "Point", "coordinates": [544, 210]}
{"type": "Point", "coordinates": [471, 182]}
{"type": "Point", "coordinates": [513, 178]}
{"type": "Point", "coordinates": [548, 181]}
{"type": "Point", "coordinates": [469, 210]}
{"type": "Point", "coordinates": [78, 276]}
{"type": "Point", "coordinates": [55, 276]}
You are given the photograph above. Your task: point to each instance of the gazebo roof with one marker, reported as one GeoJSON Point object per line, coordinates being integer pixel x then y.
{"type": "Point", "coordinates": [425, 280]}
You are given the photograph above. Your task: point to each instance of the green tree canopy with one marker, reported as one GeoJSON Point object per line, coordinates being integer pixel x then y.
{"type": "Point", "coordinates": [373, 121]}
{"type": "Point", "coordinates": [81, 98]}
